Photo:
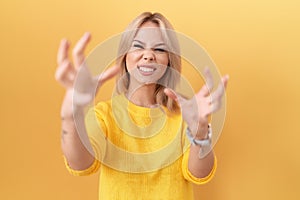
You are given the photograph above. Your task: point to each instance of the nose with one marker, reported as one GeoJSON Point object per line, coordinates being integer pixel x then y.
{"type": "Point", "coordinates": [148, 55]}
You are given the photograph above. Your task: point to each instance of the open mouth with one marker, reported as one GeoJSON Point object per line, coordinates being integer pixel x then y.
{"type": "Point", "coordinates": [146, 69]}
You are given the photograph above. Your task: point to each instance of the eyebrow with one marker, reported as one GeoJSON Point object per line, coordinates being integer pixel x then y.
{"type": "Point", "coordinates": [158, 44]}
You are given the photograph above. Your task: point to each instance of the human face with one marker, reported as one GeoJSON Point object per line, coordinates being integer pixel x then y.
{"type": "Point", "coordinates": [147, 58]}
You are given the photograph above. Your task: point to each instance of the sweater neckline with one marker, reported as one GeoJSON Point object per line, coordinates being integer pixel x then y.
{"type": "Point", "coordinates": [156, 111]}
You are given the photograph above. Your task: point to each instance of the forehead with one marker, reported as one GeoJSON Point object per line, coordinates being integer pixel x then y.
{"type": "Point", "coordinates": [149, 35]}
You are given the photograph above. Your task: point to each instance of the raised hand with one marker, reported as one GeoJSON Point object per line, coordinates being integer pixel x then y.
{"type": "Point", "coordinates": [196, 111]}
{"type": "Point", "coordinates": [67, 72]}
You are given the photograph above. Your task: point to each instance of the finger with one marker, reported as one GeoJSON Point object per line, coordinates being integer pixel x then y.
{"type": "Point", "coordinates": [78, 51]}
{"type": "Point", "coordinates": [221, 88]}
{"type": "Point", "coordinates": [108, 74]}
{"type": "Point", "coordinates": [62, 53]}
{"type": "Point", "coordinates": [64, 69]}
{"type": "Point", "coordinates": [204, 91]}
{"type": "Point", "coordinates": [209, 85]}
{"type": "Point", "coordinates": [218, 93]}
{"type": "Point", "coordinates": [215, 106]}
{"type": "Point", "coordinates": [209, 79]}
{"type": "Point", "coordinates": [225, 80]}
{"type": "Point", "coordinates": [175, 96]}
{"type": "Point", "coordinates": [171, 94]}
{"type": "Point", "coordinates": [208, 100]}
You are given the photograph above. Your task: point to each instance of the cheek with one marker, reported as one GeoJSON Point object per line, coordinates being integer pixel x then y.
{"type": "Point", "coordinates": [162, 59]}
{"type": "Point", "coordinates": [131, 60]}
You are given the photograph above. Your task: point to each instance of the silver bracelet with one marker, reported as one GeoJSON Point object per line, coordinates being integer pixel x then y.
{"type": "Point", "coordinates": [203, 142]}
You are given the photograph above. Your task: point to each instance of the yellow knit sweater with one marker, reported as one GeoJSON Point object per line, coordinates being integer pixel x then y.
{"type": "Point", "coordinates": [142, 153]}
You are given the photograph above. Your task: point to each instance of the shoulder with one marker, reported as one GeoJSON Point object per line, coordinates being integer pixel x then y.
{"type": "Point", "coordinates": [102, 106]}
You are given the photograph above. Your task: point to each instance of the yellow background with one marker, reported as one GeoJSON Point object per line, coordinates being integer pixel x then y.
{"type": "Point", "coordinates": [256, 42]}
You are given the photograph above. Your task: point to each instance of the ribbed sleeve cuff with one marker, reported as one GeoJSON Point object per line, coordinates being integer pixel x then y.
{"type": "Point", "coordinates": [190, 177]}
{"type": "Point", "coordinates": [91, 170]}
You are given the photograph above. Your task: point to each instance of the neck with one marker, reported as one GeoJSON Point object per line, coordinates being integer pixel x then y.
{"type": "Point", "coordinates": [143, 95]}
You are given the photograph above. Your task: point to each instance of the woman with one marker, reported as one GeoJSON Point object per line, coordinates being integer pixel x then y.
{"type": "Point", "coordinates": [144, 153]}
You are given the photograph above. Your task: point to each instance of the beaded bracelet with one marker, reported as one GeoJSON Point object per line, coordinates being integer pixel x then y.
{"type": "Point", "coordinates": [205, 144]}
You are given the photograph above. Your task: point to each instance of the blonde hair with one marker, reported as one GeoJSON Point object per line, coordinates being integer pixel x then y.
{"type": "Point", "coordinates": [171, 76]}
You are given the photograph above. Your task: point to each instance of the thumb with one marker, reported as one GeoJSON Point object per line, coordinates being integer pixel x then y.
{"type": "Point", "coordinates": [108, 74]}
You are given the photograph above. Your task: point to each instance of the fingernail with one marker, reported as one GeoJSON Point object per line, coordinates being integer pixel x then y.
{"type": "Point", "coordinates": [87, 34]}
{"type": "Point", "coordinates": [65, 42]}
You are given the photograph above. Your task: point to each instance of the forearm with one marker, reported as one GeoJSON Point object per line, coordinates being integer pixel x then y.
{"type": "Point", "coordinates": [201, 157]}
{"type": "Point", "coordinates": [200, 167]}
{"type": "Point", "coordinates": [76, 149]}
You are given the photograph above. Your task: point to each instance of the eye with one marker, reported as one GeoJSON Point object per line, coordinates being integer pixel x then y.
{"type": "Point", "coordinates": [138, 46]}
{"type": "Point", "coordinates": [160, 50]}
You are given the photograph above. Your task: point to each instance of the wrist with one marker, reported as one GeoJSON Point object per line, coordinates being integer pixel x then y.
{"type": "Point", "coordinates": [69, 110]}
{"type": "Point", "coordinates": [200, 140]}
{"type": "Point", "coordinates": [202, 135]}
{"type": "Point", "coordinates": [204, 144]}
{"type": "Point", "coordinates": [202, 131]}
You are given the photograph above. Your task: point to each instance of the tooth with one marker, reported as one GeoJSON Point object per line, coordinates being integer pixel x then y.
{"type": "Point", "coordinates": [145, 69]}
